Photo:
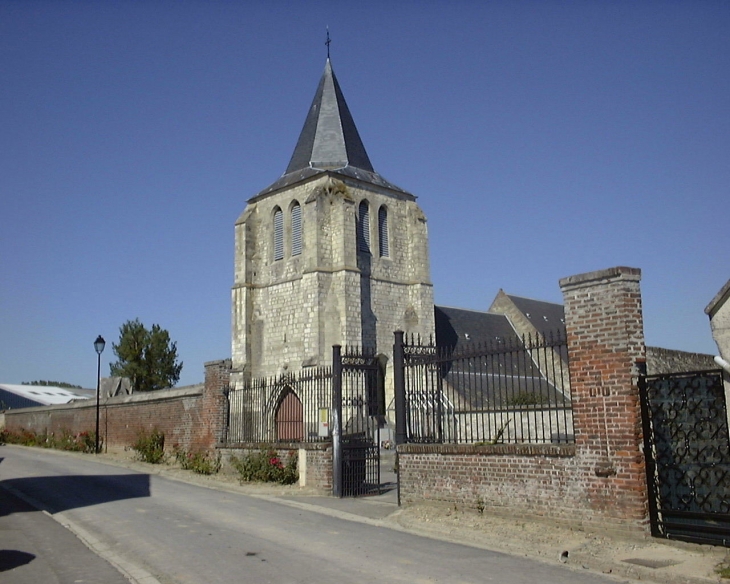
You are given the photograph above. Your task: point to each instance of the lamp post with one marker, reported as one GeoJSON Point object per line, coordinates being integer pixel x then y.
{"type": "Point", "coordinates": [99, 344]}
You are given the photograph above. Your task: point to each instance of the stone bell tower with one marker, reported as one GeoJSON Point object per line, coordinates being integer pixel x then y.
{"type": "Point", "coordinates": [331, 253]}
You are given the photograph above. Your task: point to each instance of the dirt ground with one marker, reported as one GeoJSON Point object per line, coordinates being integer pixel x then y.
{"type": "Point", "coordinates": [579, 547]}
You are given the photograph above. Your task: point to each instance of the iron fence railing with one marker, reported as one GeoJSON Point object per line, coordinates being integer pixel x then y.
{"type": "Point", "coordinates": [512, 390]}
{"type": "Point", "coordinates": [687, 451]}
{"type": "Point", "coordinates": [292, 407]}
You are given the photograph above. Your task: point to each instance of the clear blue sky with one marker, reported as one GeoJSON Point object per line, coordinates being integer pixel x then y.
{"type": "Point", "coordinates": [543, 139]}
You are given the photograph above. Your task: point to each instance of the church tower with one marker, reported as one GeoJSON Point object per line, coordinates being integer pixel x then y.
{"type": "Point", "coordinates": [331, 253]}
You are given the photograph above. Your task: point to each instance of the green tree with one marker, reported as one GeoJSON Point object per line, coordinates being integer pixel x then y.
{"type": "Point", "coordinates": [146, 357]}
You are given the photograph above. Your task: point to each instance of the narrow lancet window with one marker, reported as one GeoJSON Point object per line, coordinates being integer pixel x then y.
{"type": "Point", "coordinates": [278, 234]}
{"type": "Point", "coordinates": [296, 229]}
{"type": "Point", "coordinates": [363, 227]}
{"type": "Point", "coordinates": [383, 244]}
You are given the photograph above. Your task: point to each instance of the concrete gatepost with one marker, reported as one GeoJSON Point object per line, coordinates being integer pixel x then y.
{"type": "Point", "coordinates": [604, 325]}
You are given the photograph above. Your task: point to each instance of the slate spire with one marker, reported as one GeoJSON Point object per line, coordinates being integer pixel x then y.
{"type": "Point", "coordinates": [329, 142]}
{"type": "Point", "coordinates": [329, 139]}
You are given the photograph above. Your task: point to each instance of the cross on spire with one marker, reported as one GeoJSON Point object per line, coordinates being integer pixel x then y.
{"type": "Point", "coordinates": [327, 42]}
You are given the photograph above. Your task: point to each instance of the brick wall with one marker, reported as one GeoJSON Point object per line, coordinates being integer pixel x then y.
{"type": "Point", "coordinates": [213, 404]}
{"type": "Point", "coordinates": [601, 477]}
{"type": "Point", "coordinates": [604, 322]}
{"type": "Point", "coordinates": [189, 417]}
{"type": "Point", "coordinates": [175, 412]}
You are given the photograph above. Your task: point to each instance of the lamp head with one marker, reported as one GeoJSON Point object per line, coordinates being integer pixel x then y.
{"type": "Point", "coordinates": [99, 344]}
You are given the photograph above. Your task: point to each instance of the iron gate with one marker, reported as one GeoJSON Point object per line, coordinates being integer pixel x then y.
{"type": "Point", "coordinates": [358, 405]}
{"type": "Point", "coordinates": [687, 451]}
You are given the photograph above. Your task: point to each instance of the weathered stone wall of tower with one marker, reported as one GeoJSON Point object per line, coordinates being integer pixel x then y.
{"type": "Point", "coordinates": [287, 313]}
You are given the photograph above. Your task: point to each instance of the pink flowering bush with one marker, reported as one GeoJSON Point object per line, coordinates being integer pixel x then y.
{"type": "Point", "coordinates": [266, 466]}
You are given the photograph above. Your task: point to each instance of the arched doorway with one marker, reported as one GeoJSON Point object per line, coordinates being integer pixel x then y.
{"type": "Point", "coordinates": [289, 418]}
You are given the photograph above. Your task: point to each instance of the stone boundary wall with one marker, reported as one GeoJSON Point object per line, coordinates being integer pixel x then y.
{"type": "Point", "coordinates": [660, 361]}
{"type": "Point", "coordinates": [175, 412]}
{"type": "Point", "coordinates": [192, 418]}
{"type": "Point", "coordinates": [599, 479]}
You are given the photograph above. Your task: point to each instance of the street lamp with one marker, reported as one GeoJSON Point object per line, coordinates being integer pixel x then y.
{"type": "Point", "coordinates": [99, 344]}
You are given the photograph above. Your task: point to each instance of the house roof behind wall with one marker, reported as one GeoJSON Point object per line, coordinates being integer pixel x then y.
{"type": "Point", "coordinates": [457, 326]}
{"type": "Point", "coordinates": [546, 317]}
{"type": "Point", "coordinates": [45, 395]}
{"type": "Point", "coordinates": [481, 381]}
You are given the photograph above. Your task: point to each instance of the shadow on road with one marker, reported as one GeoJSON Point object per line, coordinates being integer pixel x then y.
{"type": "Point", "coordinates": [11, 559]}
{"type": "Point", "coordinates": [61, 493]}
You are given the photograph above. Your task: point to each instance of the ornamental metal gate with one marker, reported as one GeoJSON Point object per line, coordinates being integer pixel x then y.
{"type": "Point", "coordinates": [687, 451]}
{"type": "Point", "coordinates": [358, 408]}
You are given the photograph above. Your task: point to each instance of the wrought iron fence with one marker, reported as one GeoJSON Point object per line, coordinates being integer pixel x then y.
{"type": "Point", "coordinates": [288, 408]}
{"type": "Point", "coordinates": [512, 390]}
{"type": "Point", "coordinates": [687, 448]}
{"type": "Point", "coordinates": [359, 400]}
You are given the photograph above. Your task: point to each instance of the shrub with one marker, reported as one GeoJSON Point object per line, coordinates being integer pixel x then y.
{"type": "Point", "coordinates": [81, 442]}
{"type": "Point", "coordinates": [25, 437]}
{"type": "Point", "coordinates": [201, 462]}
{"type": "Point", "coordinates": [525, 398]}
{"type": "Point", "coordinates": [266, 466]}
{"type": "Point", "coordinates": [150, 446]}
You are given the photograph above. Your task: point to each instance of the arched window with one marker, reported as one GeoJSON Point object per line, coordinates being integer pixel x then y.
{"type": "Point", "coordinates": [363, 227]}
{"type": "Point", "coordinates": [383, 245]}
{"type": "Point", "coordinates": [278, 234]}
{"type": "Point", "coordinates": [296, 229]}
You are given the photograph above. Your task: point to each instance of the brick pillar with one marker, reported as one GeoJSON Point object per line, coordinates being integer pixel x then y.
{"type": "Point", "coordinates": [605, 330]}
{"type": "Point", "coordinates": [214, 404]}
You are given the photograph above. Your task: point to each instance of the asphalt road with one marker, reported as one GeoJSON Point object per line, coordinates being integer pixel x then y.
{"type": "Point", "coordinates": [182, 533]}
{"type": "Point", "coordinates": [34, 548]}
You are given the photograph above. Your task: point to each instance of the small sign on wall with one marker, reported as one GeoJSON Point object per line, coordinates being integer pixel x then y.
{"type": "Point", "coordinates": [324, 422]}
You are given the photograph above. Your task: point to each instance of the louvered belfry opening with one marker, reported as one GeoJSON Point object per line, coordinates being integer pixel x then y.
{"type": "Point", "coordinates": [296, 229]}
{"type": "Point", "coordinates": [383, 243]}
{"type": "Point", "coordinates": [363, 227]}
{"type": "Point", "coordinates": [278, 234]}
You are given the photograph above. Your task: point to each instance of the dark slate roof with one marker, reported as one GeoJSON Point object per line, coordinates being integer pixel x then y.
{"type": "Point", "coordinates": [456, 326]}
{"type": "Point", "coordinates": [485, 389]}
{"type": "Point", "coordinates": [546, 317]}
{"type": "Point", "coordinates": [329, 142]}
{"type": "Point", "coordinates": [329, 138]}
{"type": "Point", "coordinates": [481, 381]}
